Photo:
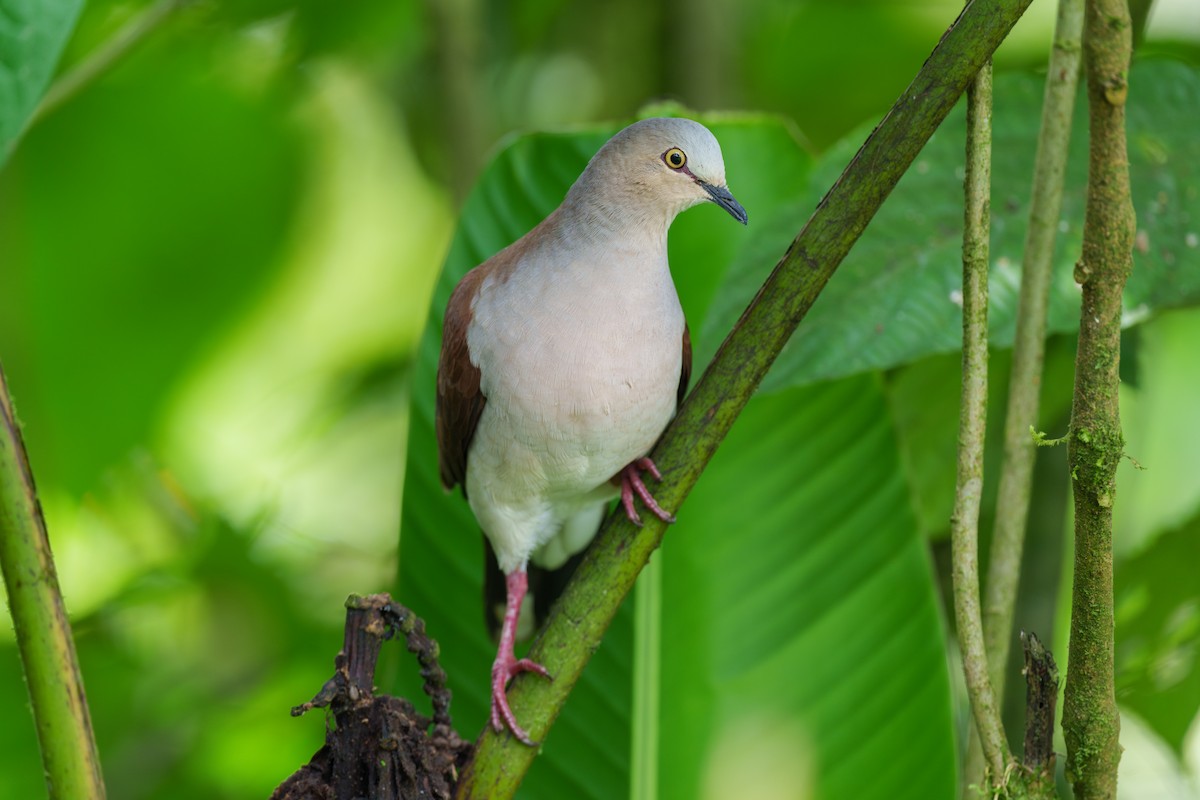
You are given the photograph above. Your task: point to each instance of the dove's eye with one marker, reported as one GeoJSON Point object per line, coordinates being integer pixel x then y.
{"type": "Point", "coordinates": [674, 158]}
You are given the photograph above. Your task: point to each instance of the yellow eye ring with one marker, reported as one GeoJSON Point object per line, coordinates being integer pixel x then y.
{"type": "Point", "coordinates": [675, 158]}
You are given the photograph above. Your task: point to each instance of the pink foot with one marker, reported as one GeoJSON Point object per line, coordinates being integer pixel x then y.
{"type": "Point", "coordinates": [503, 669]}
{"type": "Point", "coordinates": [507, 664]}
{"type": "Point", "coordinates": [631, 482]}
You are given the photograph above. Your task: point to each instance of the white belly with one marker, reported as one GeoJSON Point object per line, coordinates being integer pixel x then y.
{"type": "Point", "coordinates": [577, 424]}
{"type": "Point", "coordinates": [584, 383]}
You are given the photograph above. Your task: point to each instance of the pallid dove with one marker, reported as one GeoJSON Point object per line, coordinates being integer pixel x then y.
{"type": "Point", "coordinates": [565, 355]}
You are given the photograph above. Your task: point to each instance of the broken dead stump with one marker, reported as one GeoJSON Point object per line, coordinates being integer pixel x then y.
{"type": "Point", "coordinates": [379, 747]}
{"type": "Point", "coordinates": [1041, 698]}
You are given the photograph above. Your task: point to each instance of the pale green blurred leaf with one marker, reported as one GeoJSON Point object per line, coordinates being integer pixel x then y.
{"type": "Point", "coordinates": [1149, 769]}
{"type": "Point", "coordinates": [1158, 417]}
{"type": "Point", "coordinates": [1158, 632]}
{"type": "Point", "coordinates": [923, 398]}
{"type": "Point", "coordinates": [32, 35]}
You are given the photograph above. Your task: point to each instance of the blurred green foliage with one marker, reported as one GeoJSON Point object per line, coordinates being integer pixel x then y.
{"type": "Point", "coordinates": [216, 260]}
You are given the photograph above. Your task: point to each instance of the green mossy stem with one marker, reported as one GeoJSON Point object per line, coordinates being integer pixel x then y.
{"type": "Point", "coordinates": [1091, 721]}
{"type": "Point", "coordinates": [583, 613]}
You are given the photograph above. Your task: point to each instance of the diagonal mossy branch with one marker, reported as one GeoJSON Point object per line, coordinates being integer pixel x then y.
{"type": "Point", "coordinates": [607, 574]}
{"type": "Point", "coordinates": [56, 693]}
{"type": "Point", "coordinates": [1091, 723]}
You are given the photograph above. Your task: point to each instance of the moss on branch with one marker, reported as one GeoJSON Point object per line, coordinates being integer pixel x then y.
{"type": "Point", "coordinates": [1091, 722]}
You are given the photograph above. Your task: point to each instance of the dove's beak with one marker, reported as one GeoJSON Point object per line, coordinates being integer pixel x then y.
{"type": "Point", "coordinates": [721, 196]}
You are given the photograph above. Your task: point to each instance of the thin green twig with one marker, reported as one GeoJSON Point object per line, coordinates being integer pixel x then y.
{"type": "Point", "coordinates": [1025, 378]}
{"type": "Point", "coordinates": [60, 710]}
{"type": "Point", "coordinates": [1024, 388]}
{"type": "Point", "coordinates": [972, 427]}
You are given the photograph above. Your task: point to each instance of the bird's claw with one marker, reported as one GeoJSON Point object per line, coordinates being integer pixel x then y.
{"type": "Point", "coordinates": [631, 482]}
{"type": "Point", "coordinates": [503, 671]}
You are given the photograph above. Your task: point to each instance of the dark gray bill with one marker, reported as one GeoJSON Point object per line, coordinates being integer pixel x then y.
{"type": "Point", "coordinates": [721, 196]}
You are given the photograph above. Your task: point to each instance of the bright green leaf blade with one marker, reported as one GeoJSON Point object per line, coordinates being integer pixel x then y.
{"type": "Point", "coordinates": [923, 398]}
{"type": "Point", "coordinates": [894, 298]}
{"type": "Point", "coordinates": [32, 35]}
{"type": "Point", "coordinates": [441, 550]}
{"type": "Point", "coordinates": [798, 596]}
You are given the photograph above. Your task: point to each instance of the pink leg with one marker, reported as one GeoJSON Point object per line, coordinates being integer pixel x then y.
{"type": "Point", "coordinates": [507, 664]}
{"type": "Point", "coordinates": [631, 482]}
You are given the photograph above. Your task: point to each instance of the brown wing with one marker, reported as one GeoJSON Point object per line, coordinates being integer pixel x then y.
{"type": "Point", "coordinates": [685, 374]}
{"type": "Point", "coordinates": [459, 399]}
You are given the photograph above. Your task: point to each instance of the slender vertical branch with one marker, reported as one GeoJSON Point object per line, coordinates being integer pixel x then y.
{"type": "Point", "coordinates": [1024, 389]}
{"type": "Point", "coordinates": [1091, 723]}
{"type": "Point", "coordinates": [1025, 379]}
{"type": "Point", "coordinates": [1029, 356]}
{"type": "Point", "coordinates": [697, 48]}
{"type": "Point", "coordinates": [56, 693]}
{"type": "Point", "coordinates": [465, 106]}
{"type": "Point", "coordinates": [972, 426]}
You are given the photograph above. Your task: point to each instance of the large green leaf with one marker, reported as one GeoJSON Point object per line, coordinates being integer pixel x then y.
{"type": "Point", "coordinates": [798, 595]}
{"type": "Point", "coordinates": [1156, 531]}
{"type": "Point", "coordinates": [32, 35]}
{"type": "Point", "coordinates": [776, 582]}
{"type": "Point", "coordinates": [893, 300]}
{"type": "Point", "coordinates": [924, 397]}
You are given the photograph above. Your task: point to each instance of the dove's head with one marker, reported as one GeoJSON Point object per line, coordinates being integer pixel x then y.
{"type": "Point", "coordinates": [659, 166]}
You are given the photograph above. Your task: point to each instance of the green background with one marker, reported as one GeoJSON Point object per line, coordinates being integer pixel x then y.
{"type": "Point", "coordinates": [216, 269]}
